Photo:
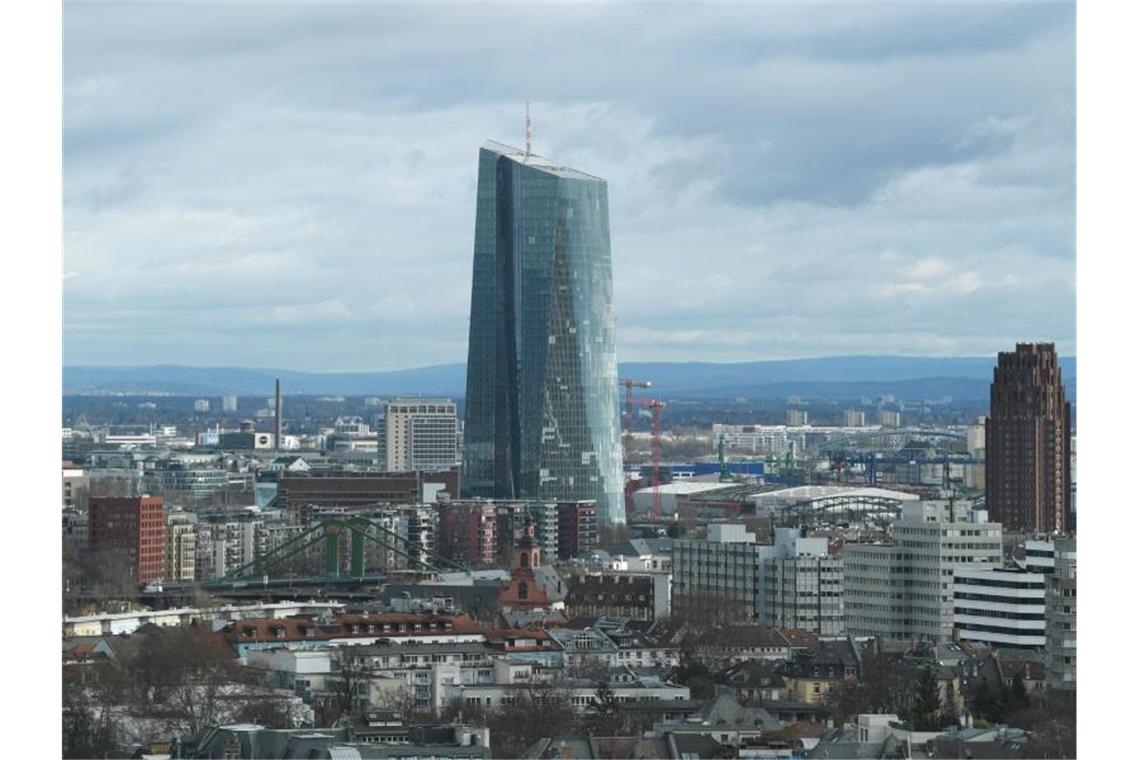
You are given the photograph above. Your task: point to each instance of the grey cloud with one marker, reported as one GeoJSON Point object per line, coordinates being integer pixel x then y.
{"type": "Point", "coordinates": [301, 176]}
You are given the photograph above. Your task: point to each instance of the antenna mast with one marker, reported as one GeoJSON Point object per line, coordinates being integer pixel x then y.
{"type": "Point", "coordinates": [528, 133]}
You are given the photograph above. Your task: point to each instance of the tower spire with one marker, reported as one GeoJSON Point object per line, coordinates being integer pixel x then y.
{"type": "Point", "coordinates": [528, 132]}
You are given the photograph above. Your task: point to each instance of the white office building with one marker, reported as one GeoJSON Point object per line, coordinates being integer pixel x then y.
{"type": "Point", "coordinates": [903, 588]}
{"type": "Point", "coordinates": [420, 434]}
{"type": "Point", "coordinates": [1000, 607]}
{"type": "Point", "coordinates": [1061, 617]}
{"type": "Point", "coordinates": [1039, 556]}
{"type": "Point", "coordinates": [792, 582]}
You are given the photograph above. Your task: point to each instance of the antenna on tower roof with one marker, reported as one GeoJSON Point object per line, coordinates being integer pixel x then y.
{"type": "Point", "coordinates": [528, 133]}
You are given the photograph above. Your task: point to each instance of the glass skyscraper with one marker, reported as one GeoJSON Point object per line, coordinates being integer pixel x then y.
{"type": "Point", "coordinates": [541, 418]}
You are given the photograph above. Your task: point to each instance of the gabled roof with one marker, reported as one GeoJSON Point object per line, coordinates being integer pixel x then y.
{"type": "Point", "coordinates": [637, 547]}
{"type": "Point", "coordinates": [725, 710]}
{"type": "Point", "coordinates": [752, 673]}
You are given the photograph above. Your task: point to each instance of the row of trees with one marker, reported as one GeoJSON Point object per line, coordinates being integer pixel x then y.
{"type": "Point", "coordinates": [540, 709]}
{"type": "Point", "coordinates": [889, 685]}
{"type": "Point", "coordinates": [173, 682]}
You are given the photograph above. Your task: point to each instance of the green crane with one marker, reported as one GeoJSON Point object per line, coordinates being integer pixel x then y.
{"type": "Point", "coordinates": [725, 475]}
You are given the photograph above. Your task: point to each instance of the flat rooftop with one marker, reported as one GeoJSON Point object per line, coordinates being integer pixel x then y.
{"type": "Point", "coordinates": [688, 486]}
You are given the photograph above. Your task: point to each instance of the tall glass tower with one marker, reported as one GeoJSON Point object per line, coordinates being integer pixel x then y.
{"type": "Point", "coordinates": [542, 417]}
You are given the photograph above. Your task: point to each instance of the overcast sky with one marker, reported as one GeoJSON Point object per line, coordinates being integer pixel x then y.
{"type": "Point", "coordinates": [292, 185]}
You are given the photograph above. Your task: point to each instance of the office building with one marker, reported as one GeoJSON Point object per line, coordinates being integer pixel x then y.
{"type": "Point", "coordinates": [1028, 437]}
{"type": "Point", "coordinates": [903, 588]}
{"type": "Point", "coordinates": [792, 582]}
{"type": "Point", "coordinates": [804, 588]}
{"type": "Point", "coordinates": [1040, 556]}
{"type": "Point", "coordinates": [132, 529]}
{"type": "Point", "coordinates": [184, 477]}
{"type": "Point", "coordinates": [1061, 617]}
{"type": "Point", "coordinates": [420, 434]}
{"type": "Point", "coordinates": [1000, 607]}
{"type": "Point", "coordinates": [541, 416]}
{"type": "Point", "coordinates": [975, 474]}
{"type": "Point", "coordinates": [246, 438]}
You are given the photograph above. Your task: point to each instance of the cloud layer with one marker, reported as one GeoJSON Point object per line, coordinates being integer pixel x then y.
{"type": "Point", "coordinates": [292, 184]}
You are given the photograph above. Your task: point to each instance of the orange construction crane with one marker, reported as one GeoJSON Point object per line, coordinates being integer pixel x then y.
{"type": "Point", "coordinates": [627, 418]}
{"type": "Point", "coordinates": [655, 406]}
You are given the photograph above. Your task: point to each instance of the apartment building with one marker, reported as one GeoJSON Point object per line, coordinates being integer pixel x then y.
{"type": "Point", "coordinates": [618, 594]}
{"type": "Point", "coordinates": [467, 532]}
{"type": "Point", "coordinates": [181, 533]}
{"type": "Point", "coordinates": [577, 528]}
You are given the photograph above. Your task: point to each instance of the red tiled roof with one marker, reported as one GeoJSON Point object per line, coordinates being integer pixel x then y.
{"type": "Point", "coordinates": [799, 638]}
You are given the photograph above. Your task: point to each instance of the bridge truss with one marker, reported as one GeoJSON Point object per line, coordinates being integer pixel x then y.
{"type": "Point", "coordinates": [329, 533]}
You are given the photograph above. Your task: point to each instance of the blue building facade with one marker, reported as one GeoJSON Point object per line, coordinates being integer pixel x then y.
{"type": "Point", "coordinates": [541, 411]}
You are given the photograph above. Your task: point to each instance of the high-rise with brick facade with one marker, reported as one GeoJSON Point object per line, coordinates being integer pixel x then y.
{"type": "Point", "coordinates": [1027, 442]}
{"type": "Point", "coordinates": [133, 527]}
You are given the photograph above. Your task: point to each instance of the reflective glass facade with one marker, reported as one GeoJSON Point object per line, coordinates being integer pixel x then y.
{"type": "Point", "coordinates": [542, 396]}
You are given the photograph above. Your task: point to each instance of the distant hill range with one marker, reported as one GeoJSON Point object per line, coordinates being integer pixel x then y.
{"type": "Point", "coordinates": [837, 377]}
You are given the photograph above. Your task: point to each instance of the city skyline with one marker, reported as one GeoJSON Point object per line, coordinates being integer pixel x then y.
{"type": "Point", "coordinates": [874, 180]}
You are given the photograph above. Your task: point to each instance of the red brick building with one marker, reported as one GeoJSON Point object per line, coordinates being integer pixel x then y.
{"type": "Point", "coordinates": [134, 526]}
{"type": "Point", "coordinates": [577, 528]}
{"type": "Point", "coordinates": [524, 591]}
{"type": "Point", "coordinates": [467, 532]}
{"type": "Point", "coordinates": [1028, 479]}
{"type": "Point", "coordinates": [303, 494]}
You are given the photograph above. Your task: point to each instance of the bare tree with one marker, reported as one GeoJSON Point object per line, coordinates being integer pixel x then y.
{"type": "Point", "coordinates": [93, 696]}
{"type": "Point", "coordinates": [186, 677]}
{"type": "Point", "coordinates": [348, 683]}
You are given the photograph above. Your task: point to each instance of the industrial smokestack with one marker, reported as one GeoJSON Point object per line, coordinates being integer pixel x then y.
{"type": "Point", "coordinates": [277, 417]}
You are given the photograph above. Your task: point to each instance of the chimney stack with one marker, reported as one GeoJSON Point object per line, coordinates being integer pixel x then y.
{"type": "Point", "coordinates": [277, 417]}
